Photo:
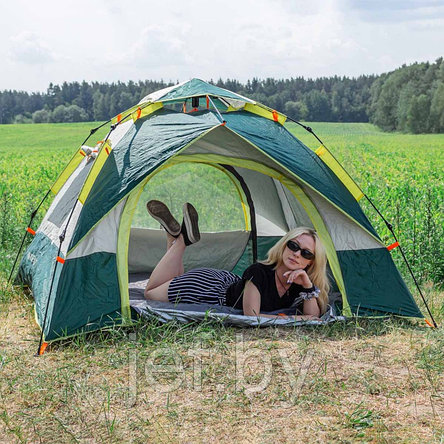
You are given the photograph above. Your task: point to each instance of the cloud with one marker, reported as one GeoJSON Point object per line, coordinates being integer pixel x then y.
{"type": "Point", "coordinates": [27, 48]}
{"type": "Point", "coordinates": [155, 46]}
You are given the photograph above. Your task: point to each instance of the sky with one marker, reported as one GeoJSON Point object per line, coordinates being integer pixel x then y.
{"type": "Point", "coordinates": [175, 40]}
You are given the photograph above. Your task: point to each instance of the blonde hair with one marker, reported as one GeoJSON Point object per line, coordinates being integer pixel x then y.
{"type": "Point", "coordinates": [317, 270]}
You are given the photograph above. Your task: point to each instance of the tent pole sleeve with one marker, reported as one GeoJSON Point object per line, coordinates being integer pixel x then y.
{"type": "Point", "coordinates": [390, 227]}
{"type": "Point", "coordinates": [251, 206]}
{"type": "Point", "coordinates": [33, 214]}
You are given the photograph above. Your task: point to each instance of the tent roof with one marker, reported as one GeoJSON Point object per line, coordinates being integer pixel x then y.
{"type": "Point", "coordinates": [152, 141]}
{"type": "Point", "coordinates": [192, 88]}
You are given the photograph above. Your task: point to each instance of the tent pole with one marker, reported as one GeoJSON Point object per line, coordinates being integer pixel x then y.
{"type": "Point", "coordinates": [218, 112]}
{"type": "Point", "coordinates": [33, 214]}
{"type": "Point", "coordinates": [389, 225]}
{"type": "Point", "coordinates": [250, 204]}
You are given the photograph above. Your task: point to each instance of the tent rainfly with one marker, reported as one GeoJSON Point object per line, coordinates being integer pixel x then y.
{"type": "Point", "coordinates": [79, 262]}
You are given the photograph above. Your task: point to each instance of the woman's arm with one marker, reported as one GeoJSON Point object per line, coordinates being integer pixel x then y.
{"type": "Point", "coordinates": [252, 300]}
{"type": "Point", "coordinates": [311, 307]}
{"type": "Point", "coordinates": [252, 304]}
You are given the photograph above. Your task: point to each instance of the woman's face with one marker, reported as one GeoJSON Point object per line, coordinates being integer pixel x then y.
{"type": "Point", "coordinates": [293, 260]}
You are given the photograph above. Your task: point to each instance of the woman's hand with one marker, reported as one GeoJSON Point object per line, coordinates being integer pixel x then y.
{"type": "Point", "coordinates": [298, 277]}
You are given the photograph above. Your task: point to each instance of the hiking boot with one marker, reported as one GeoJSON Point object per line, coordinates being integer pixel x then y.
{"type": "Point", "coordinates": [162, 214]}
{"type": "Point", "coordinates": [190, 224]}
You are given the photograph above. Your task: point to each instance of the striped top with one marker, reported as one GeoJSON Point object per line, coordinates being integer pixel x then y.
{"type": "Point", "coordinates": [202, 285]}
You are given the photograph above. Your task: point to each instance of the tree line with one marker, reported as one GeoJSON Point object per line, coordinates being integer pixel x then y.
{"type": "Point", "coordinates": [409, 99]}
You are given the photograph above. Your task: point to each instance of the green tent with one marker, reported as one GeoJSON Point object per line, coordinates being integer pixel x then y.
{"type": "Point", "coordinates": [86, 248]}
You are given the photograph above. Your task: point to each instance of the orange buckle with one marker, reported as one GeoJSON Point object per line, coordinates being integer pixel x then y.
{"type": "Point", "coordinates": [391, 247]}
{"type": "Point", "coordinates": [429, 323]}
{"type": "Point", "coordinates": [60, 259]}
{"type": "Point", "coordinates": [30, 230]}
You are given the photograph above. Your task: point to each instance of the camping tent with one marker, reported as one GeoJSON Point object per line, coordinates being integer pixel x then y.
{"type": "Point", "coordinates": [81, 259]}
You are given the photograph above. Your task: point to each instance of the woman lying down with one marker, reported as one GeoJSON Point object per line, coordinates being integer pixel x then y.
{"type": "Point", "coordinates": [293, 275]}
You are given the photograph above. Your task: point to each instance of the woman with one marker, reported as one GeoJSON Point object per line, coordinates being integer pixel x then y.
{"type": "Point", "coordinates": [293, 275]}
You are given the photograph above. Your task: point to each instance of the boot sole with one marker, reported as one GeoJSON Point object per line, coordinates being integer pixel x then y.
{"type": "Point", "coordinates": [159, 211]}
{"type": "Point", "coordinates": [191, 221]}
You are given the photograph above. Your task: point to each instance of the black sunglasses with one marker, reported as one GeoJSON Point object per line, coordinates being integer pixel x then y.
{"type": "Point", "coordinates": [294, 246]}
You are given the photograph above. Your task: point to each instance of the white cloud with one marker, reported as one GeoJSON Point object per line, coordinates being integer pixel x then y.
{"type": "Point", "coordinates": [154, 46]}
{"type": "Point", "coordinates": [27, 48]}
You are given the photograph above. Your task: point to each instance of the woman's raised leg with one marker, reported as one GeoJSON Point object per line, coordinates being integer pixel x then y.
{"type": "Point", "coordinates": [170, 266]}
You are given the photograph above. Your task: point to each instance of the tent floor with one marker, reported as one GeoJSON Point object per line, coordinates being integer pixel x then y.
{"type": "Point", "coordinates": [184, 313]}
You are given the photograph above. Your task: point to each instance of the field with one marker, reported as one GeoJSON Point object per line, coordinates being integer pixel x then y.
{"type": "Point", "coordinates": [361, 380]}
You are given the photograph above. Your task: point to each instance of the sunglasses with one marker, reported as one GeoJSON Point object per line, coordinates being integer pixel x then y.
{"type": "Point", "coordinates": [295, 247]}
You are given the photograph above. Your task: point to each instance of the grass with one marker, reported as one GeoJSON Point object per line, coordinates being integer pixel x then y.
{"type": "Point", "coordinates": [366, 380]}
{"type": "Point", "coordinates": [363, 380]}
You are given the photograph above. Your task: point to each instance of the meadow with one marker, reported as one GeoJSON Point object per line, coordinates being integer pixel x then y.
{"type": "Point", "coordinates": [360, 380]}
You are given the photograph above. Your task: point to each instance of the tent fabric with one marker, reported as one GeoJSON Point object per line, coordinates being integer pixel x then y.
{"type": "Point", "coordinates": [95, 300]}
{"type": "Point", "coordinates": [124, 170]}
{"type": "Point", "coordinates": [374, 284]}
{"type": "Point", "coordinates": [216, 250]}
{"type": "Point", "coordinates": [271, 138]}
{"type": "Point", "coordinates": [152, 142]}
{"type": "Point", "coordinates": [200, 88]}
{"type": "Point", "coordinates": [289, 186]}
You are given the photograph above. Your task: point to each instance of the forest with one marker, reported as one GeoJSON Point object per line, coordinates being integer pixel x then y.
{"type": "Point", "coordinates": [409, 99]}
